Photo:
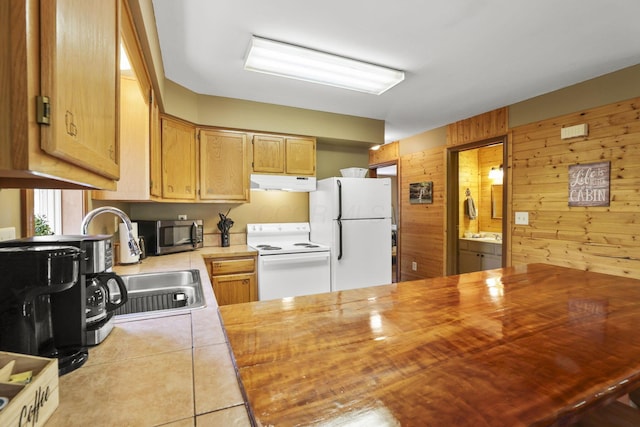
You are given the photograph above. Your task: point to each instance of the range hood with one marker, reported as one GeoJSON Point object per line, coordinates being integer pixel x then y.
{"type": "Point", "coordinates": [283, 182]}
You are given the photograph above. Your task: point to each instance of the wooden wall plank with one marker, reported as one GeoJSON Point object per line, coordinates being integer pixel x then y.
{"type": "Point", "coordinates": [603, 239]}
{"type": "Point", "coordinates": [422, 225]}
{"type": "Point", "coordinates": [484, 126]}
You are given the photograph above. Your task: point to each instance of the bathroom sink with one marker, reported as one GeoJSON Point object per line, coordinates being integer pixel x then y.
{"type": "Point", "coordinates": [489, 239]}
{"type": "Point", "coordinates": [153, 294]}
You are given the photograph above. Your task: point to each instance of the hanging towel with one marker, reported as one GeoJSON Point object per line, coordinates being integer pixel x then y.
{"type": "Point", "coordinates": [470, 208]}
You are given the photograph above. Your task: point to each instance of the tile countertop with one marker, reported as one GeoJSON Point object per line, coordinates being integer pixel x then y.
{"type": "Point", "coordinates": [174, 370]}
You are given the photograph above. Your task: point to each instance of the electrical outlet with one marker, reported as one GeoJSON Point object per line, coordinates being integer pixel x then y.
{"type": "Point", "coordinates": [522, 218]}
{"type": "Point", "coordinates": [182, 217]}
{"type": "Point", "coordinates": [414, 266]}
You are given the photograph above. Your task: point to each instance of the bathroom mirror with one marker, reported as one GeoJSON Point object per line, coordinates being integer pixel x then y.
{"type": "Point", "coordinates": [496, 201]}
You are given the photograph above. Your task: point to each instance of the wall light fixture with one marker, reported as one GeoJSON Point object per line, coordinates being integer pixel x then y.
{"type": "Point", "coordinates": [496, 173]}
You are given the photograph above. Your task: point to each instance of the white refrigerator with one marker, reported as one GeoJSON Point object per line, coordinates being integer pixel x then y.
{"type": "Point", "coordinates": [353, 217]}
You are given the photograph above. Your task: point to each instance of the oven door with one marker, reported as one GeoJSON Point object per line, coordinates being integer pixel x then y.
{"type": "Point", "coordinates": [291, 275]}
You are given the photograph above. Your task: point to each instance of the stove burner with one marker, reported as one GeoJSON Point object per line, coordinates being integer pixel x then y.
{"type": "Point", "coordinates": [306, 245]}
{"type": "Point", "coordinates": [269, 247]}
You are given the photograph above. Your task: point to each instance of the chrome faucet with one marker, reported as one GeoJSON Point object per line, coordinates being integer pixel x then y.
{"type": "Point", "coordinates": [133, 244]}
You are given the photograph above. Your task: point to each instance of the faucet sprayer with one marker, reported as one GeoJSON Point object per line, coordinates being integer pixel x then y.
{"type": "Point", "coordinates": [133, 244]}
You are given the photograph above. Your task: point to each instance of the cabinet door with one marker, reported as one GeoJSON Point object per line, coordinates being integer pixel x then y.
{"type": "Point", "coordinates": [155, 149]}
{"type": "Point", "coordinates": [224, 175]}
{"type": "Point", "coordinates": [489, 262]}
{"type": "Point", "coordinates": [469, 261]}
{"type": "Point", "coordinates": [178, 160]}
{"type": "Point", "coordinates": [80, 76]}
{"type": "Point", "coordinates": [384, 154]}
{"type": "Point", "coordinates": [300, 156]}
{"type": "Point", "coordinates": [234, 289]}
{"type": "Point", "coordinates": [268, 154]}
{"type": "Point", "coordinates": [134, 135]}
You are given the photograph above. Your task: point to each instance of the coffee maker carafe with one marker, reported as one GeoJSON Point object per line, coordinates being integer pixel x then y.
{"type": "Point", "coordinates": [106, 292]}
{"type": "Point", "coordinates": [39, 289]}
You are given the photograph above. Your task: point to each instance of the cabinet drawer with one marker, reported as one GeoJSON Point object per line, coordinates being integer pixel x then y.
{"type": "Point", "coordinates": [483, 247]}
{"type": "Point", "coordinates": [232, 266]}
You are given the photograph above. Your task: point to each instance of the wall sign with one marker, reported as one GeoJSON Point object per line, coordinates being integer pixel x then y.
{"type": "Point", "coordinates": [589, 184]}
{"type": "Point", "coordinates": [421, 192]}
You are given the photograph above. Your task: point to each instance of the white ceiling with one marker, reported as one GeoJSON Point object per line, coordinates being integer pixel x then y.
{"type": "Point", "coordinates": [461, 57]}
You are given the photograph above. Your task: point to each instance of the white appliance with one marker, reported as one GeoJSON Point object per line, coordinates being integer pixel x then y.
{"type": "Point", "coordinates": [353, 217]}
{"type": "Point", "coordinates": [125, 253]}
{"type": "Point", "coordinates": [289, 264]}
{"type": "Point", "coordinates": [283, 182]}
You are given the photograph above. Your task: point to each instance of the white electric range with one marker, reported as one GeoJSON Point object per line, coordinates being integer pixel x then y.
{"type": "Point", "coordinates": [289, 265]}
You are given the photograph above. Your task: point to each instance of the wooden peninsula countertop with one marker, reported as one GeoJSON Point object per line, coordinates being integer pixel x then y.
{"type": "Point", "coordinates": [521, 346]}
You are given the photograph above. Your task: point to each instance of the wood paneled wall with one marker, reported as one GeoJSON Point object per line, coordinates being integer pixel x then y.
{"type": "Point", "coordinates": [422, 225]}
{"type": "Point", "coordinates": [602, 239]}
{"type": "Point", "coordinates": [478, 128]}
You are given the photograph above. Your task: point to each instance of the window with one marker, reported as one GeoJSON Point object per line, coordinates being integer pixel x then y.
{"type": "Point", "coordinates": [63, 210]}
{"type": "Point", "coordinates": [47, 205]}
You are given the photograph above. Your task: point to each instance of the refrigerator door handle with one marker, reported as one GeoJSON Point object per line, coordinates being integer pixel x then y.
{"type": "Point", "coordinates": [339, 239]}
{"type": "Point", "coordinates": [339, 199]}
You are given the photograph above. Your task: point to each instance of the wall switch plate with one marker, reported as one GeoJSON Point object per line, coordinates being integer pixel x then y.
{"type": "Point", "coordinates": [414, 265]}
{"type": "Point", "coordinates": [522, 218]}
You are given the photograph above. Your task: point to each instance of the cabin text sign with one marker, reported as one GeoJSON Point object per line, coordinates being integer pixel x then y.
{"type": "Point", "coordinates": [589, 184]}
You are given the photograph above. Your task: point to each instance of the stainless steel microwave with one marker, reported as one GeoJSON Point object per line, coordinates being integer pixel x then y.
{"type": "Point", "coordinates": [171, 236]}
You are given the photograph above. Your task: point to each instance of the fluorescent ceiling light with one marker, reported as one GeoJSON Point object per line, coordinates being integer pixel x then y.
{"type": "Point", "coordinates": [295, 62]}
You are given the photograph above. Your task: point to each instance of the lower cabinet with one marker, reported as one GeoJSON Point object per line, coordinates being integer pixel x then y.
{"type": "Point", "coordinates": [233, 278]}
{"type": "Point", "coordinates": [477, 256]}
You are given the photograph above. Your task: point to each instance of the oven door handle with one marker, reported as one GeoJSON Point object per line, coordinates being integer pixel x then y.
{"type": "Point", "coordinates": [294, 258]}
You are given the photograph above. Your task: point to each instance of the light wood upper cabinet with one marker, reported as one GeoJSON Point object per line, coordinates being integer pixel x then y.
{"type": "Point", "coordinates": [224, 175]}
{"type": "Point", "coordinates": [155, 150]}
{"type": "Point", "coordinates": [83, 45]}
{"type": "Point", "coordinates": [178, 160]}
{"type": "Point", "coordinates": [300, 156]}
{"type": "Point", "coordinates": [66, 52]}
{"type": "Point", "coordinates": [140, 174]}
{"type": "Point", "coordinates": [268, 154]}
{"type": "Point", "coordinates": [134, 136]}
{"type": "Point", "coordinates": [384, 154]}
{"type": "Point", "coordinates": [284, 155]}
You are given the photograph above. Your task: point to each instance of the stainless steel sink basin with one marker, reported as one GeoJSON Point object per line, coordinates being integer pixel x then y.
{"type": "Point", "coordinates": [152, 294]}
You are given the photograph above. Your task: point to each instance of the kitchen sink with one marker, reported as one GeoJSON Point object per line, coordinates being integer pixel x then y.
{"type": "Point", "coordinates": [153, 294]}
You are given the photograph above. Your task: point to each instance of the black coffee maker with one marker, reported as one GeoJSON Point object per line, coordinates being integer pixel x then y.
{"type": "Point", "coordinates": [102, 292]}
{"type": "Point", "coordinates": [40, 310]}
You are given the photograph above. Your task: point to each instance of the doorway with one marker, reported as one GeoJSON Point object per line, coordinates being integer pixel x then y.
{"type": "Point", "coordinates": [468, 169]}
{"type": "Point", "coordinates": [390, 170]}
